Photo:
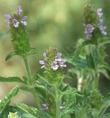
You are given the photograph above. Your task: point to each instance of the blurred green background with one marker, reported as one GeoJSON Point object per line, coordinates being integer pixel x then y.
{"type": "Point", "coordinates": [51, 23]}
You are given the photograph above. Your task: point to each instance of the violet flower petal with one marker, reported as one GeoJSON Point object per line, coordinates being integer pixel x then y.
{"type": "Point", "coordinates": [15, 23]}
{"type": "Point", "coordinates": [19, 10]}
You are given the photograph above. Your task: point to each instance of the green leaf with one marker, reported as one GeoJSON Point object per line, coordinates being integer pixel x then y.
{"type": "Point", "coordinates": [10, 79]}
{"type": "Point", "coordinates": [81, 63]}
{"type": "Point", "coordinates": [25, 88]}
{"type": "Point", "coordinates": [43, 79]}
{"type": "Point", "coordinates": [10, 55]}
{"type": "Point", "coordinates": [103, 42]}
{"type": "Point", "coordinates": [26, 115]}
{"type": "Point", "coordinates": [107, 115]}
{"type": "Point", "coordinates": [103, 109]}
{"type": "Point", "coordinates": [28, 109]}
{"type": "Point", "coordinates": [33, 51]}
{"type": "Point", "coordinates": [90, 61]}
{"type": "Point", "coordinates": [40, 90]}
{"type": "Point", "coordinates": [105, 73]}
{"type": "Point", "coordinates": [82, 43]}
{"type": "Point", "coordinates": [5, 102]}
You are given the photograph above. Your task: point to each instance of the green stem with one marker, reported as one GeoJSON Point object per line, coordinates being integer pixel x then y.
{"type": "Point", "coordinates": [27, 69]}
{"type": "Point", "coordinates": [57, 102]}
{"type": "Point", "coordinates": [30, 80]}
{"type": "Point", "coordinates": [96, 81]}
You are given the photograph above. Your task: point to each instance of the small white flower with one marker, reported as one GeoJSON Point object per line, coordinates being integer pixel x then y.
{"type": "Point", "coordinates": [24, 20]}
{"type": "Point", "coordinates": [54, 65]}
{"type": "Point", "coordinates": [42, 63]}
{"type": "Point", "coordinates": [15, 23]}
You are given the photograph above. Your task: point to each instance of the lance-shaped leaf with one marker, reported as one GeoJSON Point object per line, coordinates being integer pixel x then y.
{"type": "Point", "coordinates": [11, 79]}
{"type": "Point", "coordinates": [10, 55]}
{"type": "Point", "coordinates": [32, 112]}
{"type": "Point", "coordinates": [27, 115]}
{"type": "Point", "coordinates": [103, 109]}
{"type": "Point", "coordinates": [5, 102]}
{"type": "Point", "coordinates": [107, 115]}
{"type": "Point", "coordinates": [28, 109]}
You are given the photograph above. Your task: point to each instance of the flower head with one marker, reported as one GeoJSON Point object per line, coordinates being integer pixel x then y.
{"type": "Point", "coordinates": [17, 19]}
{"type": "Point", "coordinates": [97, 25]}
{"type": "Point", "coordinates": [89, 30]}
{"type": "Point", "coordinates": [53, 60]}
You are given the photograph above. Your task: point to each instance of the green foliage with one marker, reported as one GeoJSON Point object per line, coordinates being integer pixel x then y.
{"type": "Point", "coordinates": [7, 99]}
{"type": "Point", "coordinates": [54, 96]}
{"type": "Point", "coordinates": [10, 79]}
{"type": "Point", "coordinates": [20, 40]}
{"type": "Point", "coordinates": [28, 109]}
{"type": "Point", "coordinates": [13, 115]}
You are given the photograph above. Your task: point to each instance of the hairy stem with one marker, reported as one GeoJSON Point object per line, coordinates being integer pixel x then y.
{"type": "Point", "coordinates": [57, 102]}
{"type": "Point", "coordinates": [30, 80]}
{"type": "Point", "coordinates": [96, 81]}
{"type": "Point", "coordinates": [27, 69]}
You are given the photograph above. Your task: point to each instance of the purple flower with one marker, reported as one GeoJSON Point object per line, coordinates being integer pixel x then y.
{"type": "Point", "coordinates": [101, 25]}
{"type": "Point", "coordinates": [24, 20]}
{"type": "Point", "coordinates": [15, 23]}
{"type": "Point", "coordinates": [42, 63]}
{"type": "Point", "coordinates": [89, 30]}
{"type": "Point", "coordinates": [53, 61]}
{"type": "Point", "coordinates": [102, 28]}
{"type": "Point", "coordinates": [99, 12]}
{"type": "Point", "coordinates": [58, 62]}
{"type": "Point", "coordinates": [8, 18]}
{"type": "Point", "coordinates": [19, 10]}
{"type": "Point", "coordinates": [54, 65]}
{"type": "Point", "coordinates": [58, 55]}
{"type": "Point", "coordinates": [17, 19]}
{"type": "Point", "coordinates": [62, 63]}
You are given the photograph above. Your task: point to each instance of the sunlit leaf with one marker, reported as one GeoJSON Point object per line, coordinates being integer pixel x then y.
{"type": "Point", "coordinates": [10, 79]}
{"type": "Point", "coordinates": [7, 99]}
